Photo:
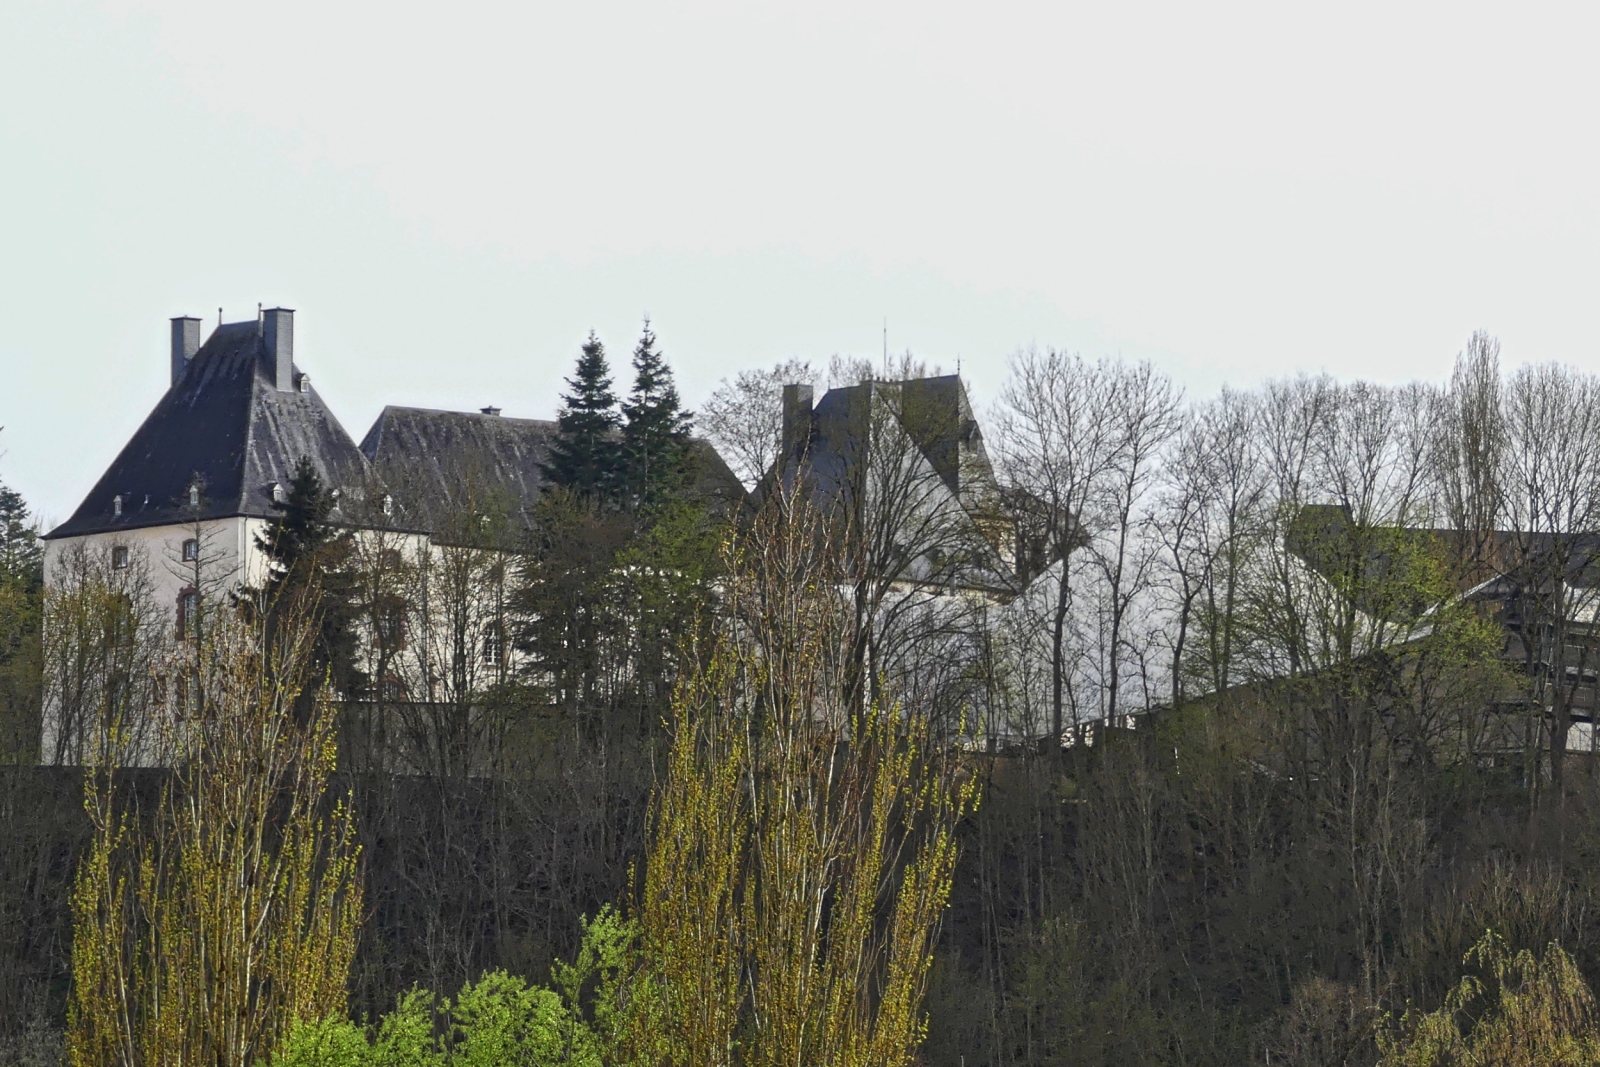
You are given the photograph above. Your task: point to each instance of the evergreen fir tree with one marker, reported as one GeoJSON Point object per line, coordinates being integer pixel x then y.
{"type": "Point", "coordinates": [307, 552]}
{"type": "Point", "coordinates": [584, 455]}
{"type": "Point", "coordinates": [655, 430]}
{"type": "Point", "coordinates": [21, 554]}
{"type": "Point", "coordinates": [293, 540]}
{"type": "Point", "coordinates": [21, 629]}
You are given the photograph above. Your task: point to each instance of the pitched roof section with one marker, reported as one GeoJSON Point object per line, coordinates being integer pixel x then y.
{"type": "Point", "coordinates": [439, 463]}
{"type": "Point", "coordinates": [833, 436]}
{"type": "Point", "coordinates": [226, 425]}
{"type": "Point", "coordinates": [928, 444]}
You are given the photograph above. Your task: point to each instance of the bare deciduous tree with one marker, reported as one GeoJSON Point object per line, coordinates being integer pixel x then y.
{"type": "Point", "coordinates": [1064, 439]}
{"type": "Point", "coordinates": [1550, 491]}
{"type": "Point", "coordinates": [105, 642]}
{"type": "Point", "coordinates": [1145, 417]}
{"type": "Point", "coordinates": [1469, 455]}
{"type": "Point", "coordinates": [743, 417]}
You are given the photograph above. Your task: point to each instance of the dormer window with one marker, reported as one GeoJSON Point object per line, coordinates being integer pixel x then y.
{"type": "Point", "coordinates": [194, 495]}
{"type": "Point", "coordinates": [191, 550]}
{"type": "Point", "coordinates": [119, 558]}
{"type": "Point", "coordinates": [388, 504]}
{"type": "Point", "coordinates": [275, 490]}
{"type": "Point", "coordinates": [305, 383]}
{"type": "Point", "coordinates": [116, 506]}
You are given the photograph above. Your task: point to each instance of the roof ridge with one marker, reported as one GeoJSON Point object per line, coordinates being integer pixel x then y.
{"type": "Point", "coordinates": [452, 411]}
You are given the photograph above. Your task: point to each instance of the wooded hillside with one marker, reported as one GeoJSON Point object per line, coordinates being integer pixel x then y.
{"type": "Point", "coordinates": [1219, 732]}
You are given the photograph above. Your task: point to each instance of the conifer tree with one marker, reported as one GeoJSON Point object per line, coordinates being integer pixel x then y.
{"type": "Point", "coordinates": [655, 430]}
{"type": "Point", "coordinates": [21, 628]}
{"type": "Point", "coordinates": [584, 456]}
{"type": "Point", "coordinates": [308, 555]}
{"type": "Point", "coordinates": [21, 555]}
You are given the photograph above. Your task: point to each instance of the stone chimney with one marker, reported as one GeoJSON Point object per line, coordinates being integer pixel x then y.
{"type": "Point", "coordinates": [185, 343]}
{"type": "Point", "coordinates": [796, 421]}
{"type": "Point", "coordinates": [277, 330]}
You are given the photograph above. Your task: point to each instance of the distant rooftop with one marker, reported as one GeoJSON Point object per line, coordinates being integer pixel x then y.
{"type": "Point", "coordinates": [240, 415]}
{"type": "Point", "coordinates": [226, 431]}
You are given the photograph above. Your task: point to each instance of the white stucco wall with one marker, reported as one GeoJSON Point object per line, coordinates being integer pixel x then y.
{"type": "Point", "coordinates": [228, 558]}
{"type": "Point", "coordinates": [228, 554]}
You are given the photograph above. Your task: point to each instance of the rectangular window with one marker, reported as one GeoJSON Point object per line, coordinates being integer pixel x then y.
{"type": "Point", "coordinates": [392, 628]}
{"type": "Point", "coordinates": [122, 623]}
{"type": "Point", "coordinates": [191, 697]}
{"type": "Point", "coordinates": [393, 689]}
{"type": "Point", "coordinates": [119, 558]}
{"type": "Point", "coordinates": [191, 550]}
{"type": "Point", "coordinates": [188, 614]}
{"type": "Point", "coordinates": [494, 643]}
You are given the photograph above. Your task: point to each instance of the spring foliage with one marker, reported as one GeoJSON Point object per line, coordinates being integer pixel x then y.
{"type": "Point", "coordinates": [500, 1019]}
{"type": "Point", "coordinates": [1516, 1010]}
{"type": "Point", "coordinates": [801, 849]}
{"type": "Point", "coordinates": [799, 861]}
{"type": "Point", "coordinates": [205, 929]}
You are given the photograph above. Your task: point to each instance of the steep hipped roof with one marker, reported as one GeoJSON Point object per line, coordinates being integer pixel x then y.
{"type": "Point", "coordinates": [435, 463]}
{"type": "Point", "coordinates": [226, 425]}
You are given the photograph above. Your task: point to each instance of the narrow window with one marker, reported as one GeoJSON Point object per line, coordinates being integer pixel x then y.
{"type": "Point", "coordinates": [494, 643]}
{"type": "Point", "coordinates": [119, 558]}
{"type": "Point", "coordinates": [392, 628]}
{"type": "Point", "coordinates": [190, 695]}
{"type": "Point", "coordinates": [123, 624]}
{"type": "Point", "coordinates": [194, 495]}
{"type": "Point", "coordinates": [191, 550]}
{"type": "Point", "coordinates": [188, 614]}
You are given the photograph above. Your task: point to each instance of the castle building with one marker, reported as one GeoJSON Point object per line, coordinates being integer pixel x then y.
{"type": "Point", "coordinates": [181, 510]}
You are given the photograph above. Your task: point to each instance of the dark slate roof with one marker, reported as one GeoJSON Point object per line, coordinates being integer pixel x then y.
{"type": "Point", "coordinates": [435, 463]}
{"type": "Point", "coordinates": [226, 424]}
{"type": "Point", "coordinates": [935, 413]}
{"type": "Point", "coordinates": [714, 481]}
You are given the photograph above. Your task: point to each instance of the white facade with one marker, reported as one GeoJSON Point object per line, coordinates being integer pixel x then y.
{"type": "Point", "coordinates": [164, 573]}
{"type": "Point", "coordinates": [226, 555]}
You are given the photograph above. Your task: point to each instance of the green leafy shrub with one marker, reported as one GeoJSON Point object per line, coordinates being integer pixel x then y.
{"type": "Point", "coordinates": [499, 1021]}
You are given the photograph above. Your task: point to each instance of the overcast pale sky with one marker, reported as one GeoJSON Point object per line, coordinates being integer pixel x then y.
{"type": "Point", "coordinates": [451, 195]}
